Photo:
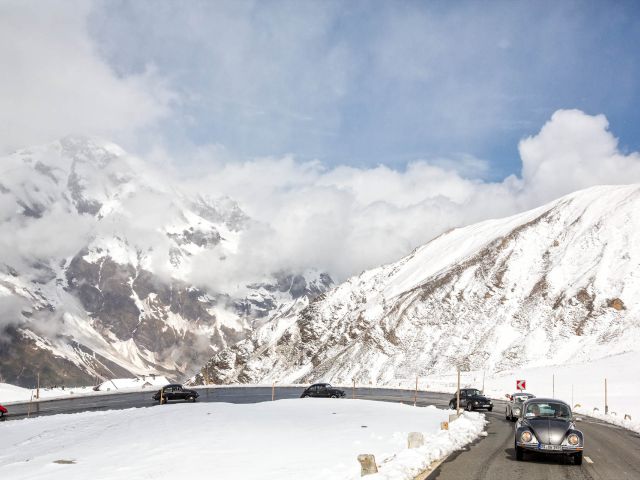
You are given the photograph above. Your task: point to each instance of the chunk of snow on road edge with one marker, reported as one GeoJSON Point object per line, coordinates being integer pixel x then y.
{"type": "Point", "coordinates": [409, 463]}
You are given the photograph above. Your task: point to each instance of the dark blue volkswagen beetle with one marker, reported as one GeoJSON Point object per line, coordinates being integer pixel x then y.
{"type": "Point", "coordinates": [547, 426]}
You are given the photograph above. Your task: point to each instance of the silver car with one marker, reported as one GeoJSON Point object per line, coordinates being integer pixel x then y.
{"type": "Point", "coordinates": [547, 426]}
{"type": "Point", "coordinates": [514, 405]}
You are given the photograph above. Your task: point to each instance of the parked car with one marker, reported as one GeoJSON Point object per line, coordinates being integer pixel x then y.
{"type": "Point", "coordinates": [472, 399]}
{"type": "Point", "coordinates": [3, 412]}
{"type": "Point", "coordinates": [175, 391]}
{"type": "Point", "coordinates": [547, 426]}
{"type": "Point", "coordinates": [514, 405]}
{"type": "Point", "coordinates": [322, 390]}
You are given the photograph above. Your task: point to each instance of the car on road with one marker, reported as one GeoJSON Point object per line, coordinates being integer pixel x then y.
{"type": "Point", "coordinates": [514, 405]}
{"type": "Point", "coordinates": [175, 391]}
{"type": "Point", "coordinates": [547, 425]}
{"type": "Point", "coordinates": [472, 399]}
{"type": "Point", "coordinates": [322, 390]}
{"type": "Point", "coordinates": [3, 412]}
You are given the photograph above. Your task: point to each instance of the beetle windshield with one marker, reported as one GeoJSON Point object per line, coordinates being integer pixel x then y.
{"type": "Point", "coordinates": [547, 409]}
{"type": "Point", "coordinates": [520, 398]}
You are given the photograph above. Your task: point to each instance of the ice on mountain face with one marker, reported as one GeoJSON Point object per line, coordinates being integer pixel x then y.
{"type": "Point", "coordinates": [554, 285]}
{"type": "Point", "coordinates": [103, 237]}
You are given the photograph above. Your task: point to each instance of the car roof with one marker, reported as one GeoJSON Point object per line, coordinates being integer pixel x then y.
{"type": "Point", "coordinates": [524, 393]}
{"type": "Point", "coordinates": [546, 400]}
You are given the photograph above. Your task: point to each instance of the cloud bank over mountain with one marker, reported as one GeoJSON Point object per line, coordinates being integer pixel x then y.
{"type": "Point", "coordinates": [348, 219]}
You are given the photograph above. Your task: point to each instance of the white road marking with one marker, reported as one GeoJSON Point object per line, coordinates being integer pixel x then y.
{"type": "Point", "coordinates": [588, 460]}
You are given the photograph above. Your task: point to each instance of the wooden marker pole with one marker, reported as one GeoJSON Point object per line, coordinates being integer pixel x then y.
{"type": "Point", "coordinates": [273, 391]}
{"type": "Point", "coordinates": [38, 388]}
{"type": "Point", "coordinates": [353, 391]}
{"type": "Point", "coordinates": [606, 399]}
{"type": "Point", "coordinates": [458, 395]}
{"type": "Point", "coordinates": [415, 394]}
{"type": "Point", "coordinates": [553, 385]}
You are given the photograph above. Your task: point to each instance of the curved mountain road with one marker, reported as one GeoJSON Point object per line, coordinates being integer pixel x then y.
{"type": "Point", "coordinates": [613, 453]}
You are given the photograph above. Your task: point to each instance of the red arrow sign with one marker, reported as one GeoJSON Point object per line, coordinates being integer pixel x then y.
{"type": "Point", "coordinates": [521, 384]}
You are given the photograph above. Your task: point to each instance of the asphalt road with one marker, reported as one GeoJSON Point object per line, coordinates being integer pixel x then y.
{"type": "Point", "coordinates": [225, 394]}
{"type": "Point", "coordinates": [611, 453]}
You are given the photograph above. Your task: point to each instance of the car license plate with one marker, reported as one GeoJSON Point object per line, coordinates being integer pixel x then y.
{"type": "Point", "coordinates": [486, 406]}
{"type": "Point", "coordinates": [550, 447]}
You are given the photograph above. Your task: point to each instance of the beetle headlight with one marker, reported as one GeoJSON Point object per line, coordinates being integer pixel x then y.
{"type": "Point", "coordinates": [516, 411]}
{"type": "Point", "coordinates": [573, 439]}
{"type": "Point", "coordinates": [526, 436]}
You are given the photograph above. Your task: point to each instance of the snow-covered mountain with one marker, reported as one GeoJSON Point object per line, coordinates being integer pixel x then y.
{"type": "Point", "coordinates": [554, 285]}
{"type": "Point", "coordinates": [96, 254]}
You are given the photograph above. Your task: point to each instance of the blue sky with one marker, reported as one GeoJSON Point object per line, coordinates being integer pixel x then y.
{"type": "Point", "coordinates": [352, 131]}
{"type": "Point", "coordinates": [369, 82]}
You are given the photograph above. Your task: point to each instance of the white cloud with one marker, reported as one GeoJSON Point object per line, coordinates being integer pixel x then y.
{"type": "Point", "coordinates": [53, 83]}
{"type": "Point", "coordinates": [347, 219]}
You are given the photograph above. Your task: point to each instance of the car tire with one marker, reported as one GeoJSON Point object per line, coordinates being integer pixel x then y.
{"type": "Point", "coordinates": [489, 409]}
{"type": "Point", "coordinates": [163, 401]}
{"type": "Point", "coordinates": [519, 453]}
{"type": "Point", "coordinates": [469, 407]}
{"type": "Point", "coordinates": [305, 396]}
{"type": "Point", "coordinates": [452, 405]}
{"type": "Point", "coordinates": [192, 399]}
{"type": "Point", "coordinates": [334, 396]}
{"type": "Point", "coordinates": [506, 415]}
{"type": "Point", "coordinates": [577, 458]}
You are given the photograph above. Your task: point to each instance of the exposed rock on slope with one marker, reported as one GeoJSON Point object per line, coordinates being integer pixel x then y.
{"type": "Point", "coordinates": [552, 285]}
{"type": "Point", "coordinates": [95, 255]}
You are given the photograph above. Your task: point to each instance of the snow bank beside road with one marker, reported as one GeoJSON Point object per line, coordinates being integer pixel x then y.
{"type": "Point", "coordinates": [310, 438]}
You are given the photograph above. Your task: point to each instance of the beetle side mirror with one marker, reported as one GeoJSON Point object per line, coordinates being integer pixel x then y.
{"type": "Point", "coordinates": [507, 396]}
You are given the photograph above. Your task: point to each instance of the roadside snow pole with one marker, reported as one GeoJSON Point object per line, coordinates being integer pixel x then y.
{"type": "Point", "coordinates": [273, 391]}
{"type": "Point", "coordinates": [606, 400]}
{"type": "Point", "coordinates": [353, 390]}
{"type": "Point", "coordinates": [38, 388]}
{"type": "Point", "coordinates": [367, 464]}
{"type": "Point", "coordinates": [415, 394]}
{"type": "Point", "coordinates": [29, 409]}
{"type": "Point", "coordinates": [161, 395]}
{"type": "Point", "coordinates": [415, 440]}
{"type": "Point", "coordinates": [553, 385]}
{"type": "Point", "coordinates": [458, 394]}
{"type": "Point", "coordinates": [483, 374]}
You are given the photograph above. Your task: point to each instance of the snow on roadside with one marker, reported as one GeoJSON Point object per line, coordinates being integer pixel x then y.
{"type": "Point", "coordinates": [630, 424]}
{"type": "Point", "coordinates": [310, 438]}
{"type": "Point", "coordinates": [409, 463]}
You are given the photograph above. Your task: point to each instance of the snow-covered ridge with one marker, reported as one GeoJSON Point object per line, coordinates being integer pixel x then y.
{"type": "Point", "coordinates": [97, 253]}
{"type": "Point", "coordinates": [557, 284]}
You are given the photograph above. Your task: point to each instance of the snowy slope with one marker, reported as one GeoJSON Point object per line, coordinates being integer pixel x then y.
{"type": "Point", "coordinates": [214, 438]}
{"type": "Point", "coordinates": [557, 284]}
{"type": "Point", "coordinates": [96, 254]}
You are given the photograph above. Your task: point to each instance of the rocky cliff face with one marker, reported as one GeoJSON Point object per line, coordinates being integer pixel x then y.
{"type": "Point", "coordinates": [554, 285]}
{"type": "Point", "coordinates": [95, 261]}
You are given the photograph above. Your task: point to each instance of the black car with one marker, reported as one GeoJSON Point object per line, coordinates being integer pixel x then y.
{"type": "Point", "coordinates": [175, 391]}
{"type": "Point", "coordinates": [547, 426]}
{"type": "Point", "coordinates": [322, 390]}
{"type": "Point", "coordinates": [514, 406]}
{"type": "Point", "coordinates": [472, 399]}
